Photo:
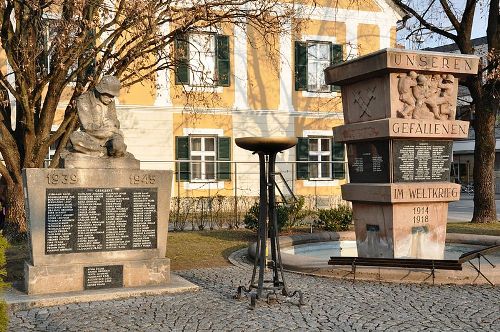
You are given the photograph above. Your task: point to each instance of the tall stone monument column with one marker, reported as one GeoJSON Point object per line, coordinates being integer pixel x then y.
{"type": "Point", "coordinates": [399, 113]}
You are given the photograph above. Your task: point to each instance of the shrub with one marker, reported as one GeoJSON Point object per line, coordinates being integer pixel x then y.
{"type": "Point", "coordinates": [4, 318]}
{"type": "Point", "coordinates": [287, 215]}
{"type": "Point", "coordinates": [336, 219]}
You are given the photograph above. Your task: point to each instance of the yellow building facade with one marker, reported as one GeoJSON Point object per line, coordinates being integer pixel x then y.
{"type": "Point", "coordinates": [231, 84]}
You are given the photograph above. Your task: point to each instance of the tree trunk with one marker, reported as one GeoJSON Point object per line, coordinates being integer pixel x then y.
{"type": "Point", "coordinates": [15, 221]}
{"type": "Point", "coordinates": [484, 162]}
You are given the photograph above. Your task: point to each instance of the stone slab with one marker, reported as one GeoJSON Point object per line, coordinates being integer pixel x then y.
{"type": "Point", "coordinates": [47, 279]}
{"type": "Point", "coordinates": [38, 181]}
{"type": "Point", "coordinates": [394, 60]}
{"type": "Point", "coordinates": [406, 230]}
{"type": "Point", "coordinates": [401, 192]}
{"type": "Point", "coordinates": [80, 160]}
{"type": "Point", "coordinates": [18, 300]}
{"type": "Point", "coordinates": [401, 128]}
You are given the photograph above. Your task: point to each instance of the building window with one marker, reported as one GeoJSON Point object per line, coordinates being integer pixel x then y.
{"type": "Point", "coordinates": [319, 155]}
{"type": "Point", "coordinates": [319, 158]}
{"type": "Point", "coordinates": [202, 59]}
{"type": "Point", "coordinates": [311, 59]}
{"type": "Point", "coordinates": [203, 158]}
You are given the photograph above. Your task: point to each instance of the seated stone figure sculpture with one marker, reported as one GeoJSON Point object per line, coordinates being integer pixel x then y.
{"type": "Point", "coordinates": [99, 133]}
{"type": "Point", "coordinates": [99, 142]}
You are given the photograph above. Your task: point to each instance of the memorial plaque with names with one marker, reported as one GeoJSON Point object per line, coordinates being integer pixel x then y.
{"type": "Point", "coordinates": [99, 277]}
{"type": "Point", "coordinates": [368, 162]}
{"type": "Point", "coordinates": [422, 161]}
{"type": "Point", "coordinates": [100, 219]}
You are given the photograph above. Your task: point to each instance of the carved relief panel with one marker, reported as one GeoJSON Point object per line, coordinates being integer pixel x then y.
{"type": "Point", "coordinates": [367, 100]}
{"type": "Point", "coordinates": [424, 96]}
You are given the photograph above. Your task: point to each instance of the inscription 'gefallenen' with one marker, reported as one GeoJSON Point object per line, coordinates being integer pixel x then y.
{"type": "Point", "coordinates": [438, 128]}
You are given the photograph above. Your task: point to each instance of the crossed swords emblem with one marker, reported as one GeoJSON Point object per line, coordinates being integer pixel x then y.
{"type": "Point", "coordinates": [360, 100]}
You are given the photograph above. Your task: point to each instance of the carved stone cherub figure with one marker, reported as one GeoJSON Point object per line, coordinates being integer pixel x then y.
{"type": "Point", "coordinates": [405, 84]}
{"type": "Point", "coordinates": [99, 133]}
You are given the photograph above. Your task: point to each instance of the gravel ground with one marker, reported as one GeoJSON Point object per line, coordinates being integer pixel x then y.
{"type": "Point", "coordinates": [331, 305]}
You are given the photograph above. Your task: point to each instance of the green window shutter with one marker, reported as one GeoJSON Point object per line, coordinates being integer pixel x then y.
{"type": "Point", "coordinates": [338, 169]}
{"type": "Point", "coordinates": [181, 59]}
{"type": "Point", "coordinates": [182, 169]}
{"type": "Point", "coordinates": [337, 55]}
{"type": "Point", "coordinates": [223, 154]}
{"type": "Point", "coordinates": [302, 152]}
{"type": "Point", "coordinates": [223, 67]}
{"type": "Point", "coordinates": [300, 66]}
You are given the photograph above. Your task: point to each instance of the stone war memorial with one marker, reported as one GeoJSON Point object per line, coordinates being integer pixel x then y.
{"type": "Point", "coordinates": [399, 114]}
{"type": "Point", "coordinates": [99, 221]}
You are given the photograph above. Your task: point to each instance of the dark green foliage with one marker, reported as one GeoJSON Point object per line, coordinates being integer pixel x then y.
{"type": "Point", "coordinates": [336, 219]}
{"type": "Point", "coordinates": [287, 215]}
{"type": "Point", "coordinates": [4, 317]}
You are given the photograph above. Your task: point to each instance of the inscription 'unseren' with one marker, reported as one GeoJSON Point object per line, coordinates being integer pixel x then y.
{"type": "Point", "coordinates": [425, 61]}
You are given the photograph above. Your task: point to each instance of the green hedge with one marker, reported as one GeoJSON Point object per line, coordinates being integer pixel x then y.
{"type": "Point", "coordinates": [4, 317]}
{"type": "Point", "coordinates": [336, 219]}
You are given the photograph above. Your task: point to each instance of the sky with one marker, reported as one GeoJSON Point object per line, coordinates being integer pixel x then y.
{"type": "Point", "coordinates": [431, 40]}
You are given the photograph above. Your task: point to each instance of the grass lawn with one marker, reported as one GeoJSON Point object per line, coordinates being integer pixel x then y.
{"type": "Point", "coordinates": [469, 228]}
{"type": "Point", "coordinates": [190, 250]}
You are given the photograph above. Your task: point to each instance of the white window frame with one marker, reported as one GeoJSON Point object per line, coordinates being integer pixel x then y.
{"type": "Point", "coordinates": [320, 182]}
{"type": "Point", "coordinates": [203, 154]}
{"type": "Point", "coordinates": [203, 185]}
{"type": "Point", "coordinates": [316, 156]}
{"type": "Point", "coordinates": [319, 39]}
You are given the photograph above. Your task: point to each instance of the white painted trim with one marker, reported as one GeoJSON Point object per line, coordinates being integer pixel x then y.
{"type": "Point", "coordinates": [319, 38]}
{"type": "Point", "coordinates": [321, 183]}
{"type": "Point", "coordinates": [330, 95]}
{"type": "Point", "coordinates": [385, 35]}
{"type": "Point", "coordinates": [204, 185]}
{"type": "Point", "coordinates": [286, 78]}
{"type": "Point", "coordinates": [313, 132]}
{"type": "Point", "coordinates": [162, 77]}
{"type": "Point", "coordinates": [351, 32]}
{"type": "Point", "coordinates": [345, 15]}
{"type": "Point", "coordinates": [202, 131]}
{"type": "Point", "coordinates": [240, 68]}
{"type": "Point", "coordinates": [207, 89]}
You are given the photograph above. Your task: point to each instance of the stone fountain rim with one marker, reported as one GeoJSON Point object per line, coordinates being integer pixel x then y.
{"type": "Point", "coordinates": [314, 266]}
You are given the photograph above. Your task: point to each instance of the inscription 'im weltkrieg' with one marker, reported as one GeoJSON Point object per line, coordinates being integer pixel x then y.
{"type": "Point", "coordinates": [426, 61]}
{"type": "Point", "coordinates": [425, 193]}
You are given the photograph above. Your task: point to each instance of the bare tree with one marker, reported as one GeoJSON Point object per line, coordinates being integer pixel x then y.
{"type": "Point", "coordinates": [454, 21]}
{"type": "Point", "coordinates": [59, 47]}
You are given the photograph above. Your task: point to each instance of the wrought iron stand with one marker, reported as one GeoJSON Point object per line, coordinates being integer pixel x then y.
{"type": "Point", "coordinates": [267, 149]}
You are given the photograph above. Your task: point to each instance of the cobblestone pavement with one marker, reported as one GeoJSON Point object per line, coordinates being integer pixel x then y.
{"type": "Point", "coordinates": [332, 305]}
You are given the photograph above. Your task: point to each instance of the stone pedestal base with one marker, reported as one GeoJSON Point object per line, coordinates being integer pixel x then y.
{"type": "Point", "coordinates": [46, 279]}
{"type": "Point", "coordinates": [406, 230]}
{"type": "Point", "coordinates": [83, 161]}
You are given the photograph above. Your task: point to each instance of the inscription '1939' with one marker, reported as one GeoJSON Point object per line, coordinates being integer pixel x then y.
{"type": "Point", "coordinates": [62, 178]}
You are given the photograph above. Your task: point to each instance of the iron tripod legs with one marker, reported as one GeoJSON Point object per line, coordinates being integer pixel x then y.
{"type": "Point", "coordinates": [267, 228]}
